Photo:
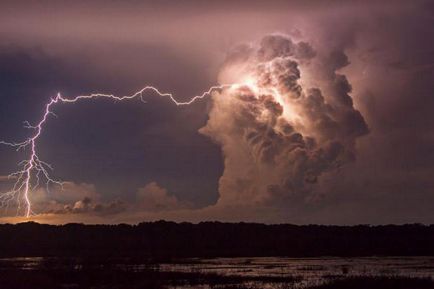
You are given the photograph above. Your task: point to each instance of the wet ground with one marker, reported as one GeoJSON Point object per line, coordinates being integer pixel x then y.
{"type": "Point", "coordinates": [217, 272]}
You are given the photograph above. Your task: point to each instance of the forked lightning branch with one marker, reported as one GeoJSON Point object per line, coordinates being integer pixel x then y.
{"type": "Point", "coordinates": [33, 170]}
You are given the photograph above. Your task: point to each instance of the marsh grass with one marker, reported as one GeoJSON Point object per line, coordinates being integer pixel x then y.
{"type": "Point", "coordinates": [378, 282]}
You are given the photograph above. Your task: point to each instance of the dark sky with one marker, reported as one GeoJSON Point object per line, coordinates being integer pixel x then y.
{"type": "Point", "coordinates": [133, 161]}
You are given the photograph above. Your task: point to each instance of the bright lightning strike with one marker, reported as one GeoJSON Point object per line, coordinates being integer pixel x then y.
{"type": "Point", "coordinates": [27, 178]}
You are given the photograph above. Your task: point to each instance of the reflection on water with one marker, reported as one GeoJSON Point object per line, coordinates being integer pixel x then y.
{"type": "Point", "coordinates": [305, 271]}
{"type": "Point", "coordinates": [23, 263]}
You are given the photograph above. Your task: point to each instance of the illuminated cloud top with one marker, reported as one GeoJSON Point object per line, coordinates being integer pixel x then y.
{"type": "Point", "coordinates": [277, 135]}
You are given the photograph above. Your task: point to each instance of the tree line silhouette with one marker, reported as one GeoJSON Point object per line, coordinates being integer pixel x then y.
{"type": "Point", "coordinates": [163, 239]}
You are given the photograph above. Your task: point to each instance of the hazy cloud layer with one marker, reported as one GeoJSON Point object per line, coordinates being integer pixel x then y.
{"type": "Point", "coordinates": [152, 197]}
{"type": "Point", "coordinates": [72, 198]}
{"type": "Point", "coordinates": [7, 179]}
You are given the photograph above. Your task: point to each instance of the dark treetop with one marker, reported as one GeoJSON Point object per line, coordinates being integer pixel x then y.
{"type": "Point", "coordinates": [211, 239]}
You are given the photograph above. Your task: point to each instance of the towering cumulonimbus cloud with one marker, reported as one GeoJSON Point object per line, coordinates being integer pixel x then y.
{"type": "Point", "coordinates": [278, 133]}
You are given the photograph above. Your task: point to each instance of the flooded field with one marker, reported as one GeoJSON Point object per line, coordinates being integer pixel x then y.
{"type": "Point", "coordinates": [311, 271]}
{"type": "Point", "coordinates": [220, 272]}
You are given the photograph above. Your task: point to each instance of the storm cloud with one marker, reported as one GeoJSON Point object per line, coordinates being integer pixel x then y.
{"type": "Point", "coordinates": [349, 139]}
{"type": "Point", "coordinates": [277, 136]}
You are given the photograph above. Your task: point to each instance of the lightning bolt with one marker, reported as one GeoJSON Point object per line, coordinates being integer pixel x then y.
{"type": "Point", "coordinates": [27, 178]}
